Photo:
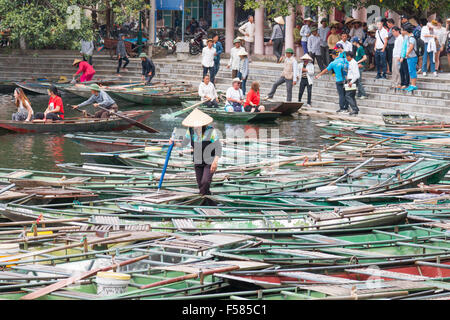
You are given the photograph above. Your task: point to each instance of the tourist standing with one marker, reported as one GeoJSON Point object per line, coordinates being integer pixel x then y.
{"type": "Point", "coordinates": [100, 98]}
{"type": "Point", "coordinates": [305, 74]}
{"type": "Point", "coordinates": [243, 69]}
{"type": "Point", "coordinates": [219, 50]}
{"type": "Point", "coordinates": [404, 71]}
{"type": "Point", "coordinates": [235, 97]}
{"type": "Point", "coordinates": [390, 43]}
{"type": "Point", "coordinates": [346, 45]}
{"type": "Point", "coordinates": [288, 76]}
{"type": "Point", "coordinates": [87, 50]}
{"type": "Point", "coordinates": [396, 56]}
{"type": "Point", "coordinates": [305, 32]}
{"type": "Point", "coordinates": [122, 55]}
{"type": "Point", "coordinates": [441, 36]}
{"type": "Point", "coordinates": [85, 69]}
{"type": "Point", "coordinates": [208, 55]}
{"type": "Point", "coordinates": [426, 34]}
{"type": "Point", "coordinates": [314, 48]}
{"type": "Point", "coordinates": [253, 101]}
{"type": "Point", "coordinates": [148, 68]}
{"type": "Point", "coordinates": [234, 58]}
{"type": "Point", "coordinates": [350, 90]}
{"type": "Point", "coordinates": [248, 30]}
{"type": "Point", "coordinates": [381, 39]}
{"type": "Point", "coordinates": [338, 66]}
{"type": "Point", "coordinates": [208, 94]}
{"type": "Point", "coordinates": [411, 55]}
{"type": "Point", "coordinates": [277, 38]}
{"type": "Point", "coordinates": [332, 40]}
{"type": "Point", "coordinates": [323, 33]}
{"type": "Point", "coordinates": [369, 46]}
{"type": "Point", "coordinates": [361, 59]}
{"type": "Point", "coordinates": [357, 30]}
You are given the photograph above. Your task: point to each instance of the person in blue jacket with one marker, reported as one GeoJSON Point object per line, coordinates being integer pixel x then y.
{"type": "Point", "coordinates": [339, 66]}
{"type": "Point", "coordinates": [219, 50]}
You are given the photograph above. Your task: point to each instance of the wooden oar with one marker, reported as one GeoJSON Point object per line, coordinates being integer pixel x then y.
{"type": "Point", "coordinates": [83, 112]}
{"type": "Point", "coordinates": [133, 122]}
{"type": "Point", "coordinates": [177, 113]}
{"type": "Point", "coordinates": [68, 281]}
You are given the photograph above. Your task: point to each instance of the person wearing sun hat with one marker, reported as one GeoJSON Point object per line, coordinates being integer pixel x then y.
{"type": "Point", "coordinates": [314, 48]}
{"type": "Point", "coordinates": [148, 68]}
{"type": "Point", "coordinates": [277, 38]}
{"type": "Point", "coordinates": [323, 31]}
{"type": "Point", "coordinates": [288, 76]}
{"type": "Point", "coordinates": [85, 69]}
{"type": "Point", "coordinates": [369, 46]}
{"type": "Point", "coordinates": [305, 74]}
{"type": "Point", "coordinates": [235, 97]}
{"type": "Point", "coordinates": [99, 98]}
{"type": "Point", "coordinates": [305, 32]}
{"type": "Point", "coordinates": [207, 149]}
{"type": "Point", "coordinates": [243, 69]}
{"type": "Point", "coordinates": [234, 58]}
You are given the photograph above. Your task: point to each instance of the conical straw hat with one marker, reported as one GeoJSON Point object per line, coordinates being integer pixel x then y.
{"type": "Point", "coordinates": [306, 57]}
{"type": "Point", "coordinates": [76, 61]}
{"type": "Point", "coordinates": [197, 119]}
{"type": "Point", "coordinates": [348, 20]}
{"type": "Point", "coordinates": [279, 20]}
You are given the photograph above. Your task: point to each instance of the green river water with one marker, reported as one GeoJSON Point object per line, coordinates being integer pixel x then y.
{"type": "Point", "coordinates": [44, 151]}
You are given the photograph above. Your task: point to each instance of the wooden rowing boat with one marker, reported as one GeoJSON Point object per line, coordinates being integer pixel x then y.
{"type": "Point", "coordinates": [286, 108]}
{"type": "Point", "coordinates": [74, 124]}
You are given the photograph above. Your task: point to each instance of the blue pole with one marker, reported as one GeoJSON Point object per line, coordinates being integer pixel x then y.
{"type": "Point", "coordinates": [169, 152]}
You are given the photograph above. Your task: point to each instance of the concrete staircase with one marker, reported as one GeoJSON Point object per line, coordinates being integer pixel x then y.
{"type": "Point", "coordinates": [432, 100]}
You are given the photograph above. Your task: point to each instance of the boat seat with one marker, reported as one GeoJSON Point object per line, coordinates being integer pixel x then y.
{"type": "Point", "coordinates": [305, 253]}
{"type": "Point", "coordinates": [321, 239]}
{"type": "Point", "coordinates": [388, 274]}
{"type": "Point", "coordinates": [183, 224]}
{"type": "Point", "coordinates": [210, 212]}
{"type": "Point", "coordinates": [106, 220]}
{"type": "Point", "coordinates": [19, 174]}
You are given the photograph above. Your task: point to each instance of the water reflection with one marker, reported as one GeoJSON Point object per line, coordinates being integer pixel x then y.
{"type": "Point", "coordinates": [43, 151]}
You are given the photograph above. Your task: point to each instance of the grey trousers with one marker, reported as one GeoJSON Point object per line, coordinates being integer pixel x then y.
{"type": "Point", "coordinates": [278, 48]}
{"type": "Point", "coordinates": [289, 84]}
{"type": "Point", "coordinates": [325, 54]}
{"type": "Point", "coordinates": [250, 48]}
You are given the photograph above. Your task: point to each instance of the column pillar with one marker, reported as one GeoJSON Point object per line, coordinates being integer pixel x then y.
{"type": "Point", "coordinates": [360, 14]}
{"type": "Point", "coordinates": [229, 25]}
{"type": "Point", "coordinates": [259, 30]}
{"type": "Point", "coordinates": [289, 34]}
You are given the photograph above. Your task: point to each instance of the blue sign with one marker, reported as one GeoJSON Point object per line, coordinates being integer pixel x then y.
{"type": "Point", "coordinates": [217, 16]}
{"type": "Point", "coordinates": [177, 5]}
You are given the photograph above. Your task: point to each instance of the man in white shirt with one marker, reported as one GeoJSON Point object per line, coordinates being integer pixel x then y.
{"type": "Point", "coordinates": [248, 30]}
{"type": "Point", "coordinates": [208, 55]}
{"type": "Point", "coordinates": [350, 88]}
{"type": "Point", "coordinates": [427, 35]}
{"type": "Point", "coordinates": [347, 45]}
{"type": "Point", "coordinates": [208, 93]}
{"type": "Point", "coordinates": [381, 41]}
{"type": "Point", "coordinates": [396, 55]}
{"type": "Point", "coordinates": [235, 59]}
{"type": "Point", "coordinates": [305, 31]}
{"type": "Point", "coordinates": [305, 75]}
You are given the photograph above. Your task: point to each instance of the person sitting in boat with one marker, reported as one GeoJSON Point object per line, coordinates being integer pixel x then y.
{"type": "Point", "coordinates": [86, 70]}
{"type": "Point", "coordinates": [235, 97]}
{"type": "Point", "coordinates": [148, 68]}
{"type": "Point", "coordinates": [24, 110]}
{"type": "Point", "coordinates": [252, 103]}
{"type": "Point", "coordinates": [100, 98]}
{"type": "Point", "coordinates": [207, 149]}
{"type": "Point", "coordinates": [55, 109]}
{"type": "Point", "coordinates": [208, 93]}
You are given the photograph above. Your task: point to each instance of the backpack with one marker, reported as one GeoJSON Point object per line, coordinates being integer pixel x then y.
{"type": "Point", "coordinates": [420, 47]}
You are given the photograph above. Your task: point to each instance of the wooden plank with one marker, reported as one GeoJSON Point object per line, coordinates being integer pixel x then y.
{"type": "Point", "coordinates": [305, 253]}
{"type": "Point", "coordinates": [354, 252]}
{"type": "Point", "coordinates": [316, 277]}
{"type": "Point", "coordinates": [318, 238]}
{"type": "Point", "coordinates": [387, 274]}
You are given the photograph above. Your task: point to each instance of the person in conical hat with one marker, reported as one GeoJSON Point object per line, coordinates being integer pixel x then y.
{"type": "Point", "coordinates": [205, 141]}
{"type": "Point", "coordinates": [305, 77]}
{"type": "Point", "coordinates": [85, 69]}
{"type": "Point", "coordinates": [277, 38]}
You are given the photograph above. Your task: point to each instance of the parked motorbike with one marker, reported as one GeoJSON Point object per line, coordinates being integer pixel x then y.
{"type": "Point", "coordinates": [197, 43]}
{"type": "Point", "coordinates": [165, 41]}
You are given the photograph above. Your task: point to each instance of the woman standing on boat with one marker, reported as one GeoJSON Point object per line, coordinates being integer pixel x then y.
{"type": "Point", "coordinates": [24, 110]}
{"type": "Point", "coordinates": [207, 149]}
{"type": "Point", "coordinates": [86, 70]}
{"type": "Point", "coordinates": [55, 109]}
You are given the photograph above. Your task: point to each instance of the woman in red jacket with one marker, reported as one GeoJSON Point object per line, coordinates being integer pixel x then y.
{"type": "Point", "coordinates": [85, 68]}
{"type": "Point", "coordinates": [252, 104]}
{"type": "Point", "coordinates": [55, 109]}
